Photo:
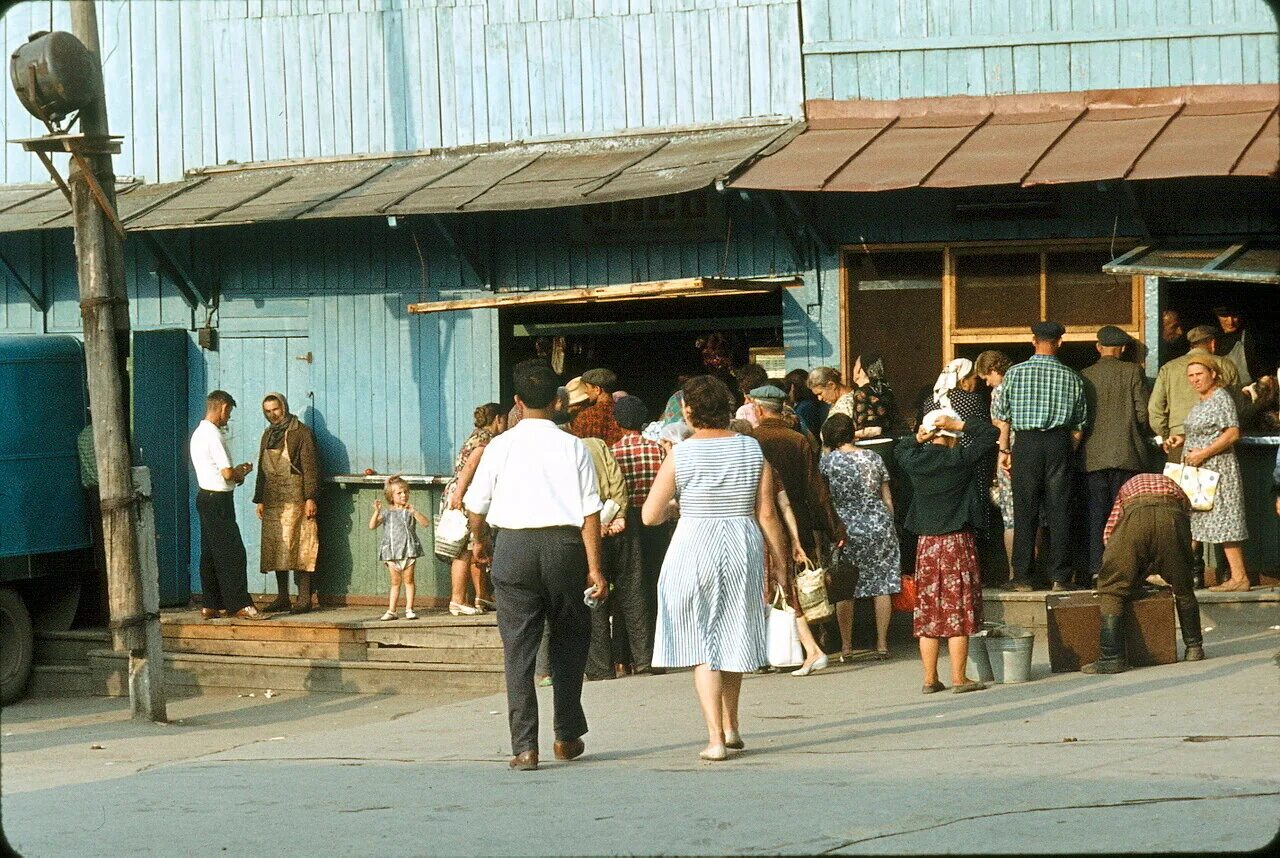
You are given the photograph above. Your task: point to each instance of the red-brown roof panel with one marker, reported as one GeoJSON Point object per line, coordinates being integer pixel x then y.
{"type": "Point", "coordinates": [1103, 145]}
{"type": "Point", "coordinates": [807, 162]}
{"type": "Point", "coordinates": [1003, 150]}
{"type": "Point", "coordinates": [905, 153]}
{"type": "Point", "coordinates": [1263, 156]}
{"type": "Point", "coordinates": [1203, 138]}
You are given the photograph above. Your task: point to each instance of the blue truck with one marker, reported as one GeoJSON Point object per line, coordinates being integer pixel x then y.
{"type": "Point", "coordinates": [46, 547]}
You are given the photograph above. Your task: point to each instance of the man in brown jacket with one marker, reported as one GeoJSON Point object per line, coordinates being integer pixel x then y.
{"type": "Point", "coordinates": [793, 457]}
{"type": "Point", "coordinates": [285, 495]}
{"type": "Point", "coordinates": [1115, 443]}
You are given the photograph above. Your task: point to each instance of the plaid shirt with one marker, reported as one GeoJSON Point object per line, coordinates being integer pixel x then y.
{"type": "Point", "coordinates": [1042, 393]}
{"type": "Point", "coordinates": [1143, 485]}
{"type": "Point", "coordinates": [639, 459]}
{"type": "Point", "coordinates": [596, 421]}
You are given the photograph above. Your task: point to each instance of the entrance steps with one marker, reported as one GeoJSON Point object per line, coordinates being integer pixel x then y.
{"type": "Point", "coordinates": [341, 650]}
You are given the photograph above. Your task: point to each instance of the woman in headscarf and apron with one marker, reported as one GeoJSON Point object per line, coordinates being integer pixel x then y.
{"type": "Point", "coordinates": [285, 494]}
{"type": "Point", "coordinates": [957, 390]}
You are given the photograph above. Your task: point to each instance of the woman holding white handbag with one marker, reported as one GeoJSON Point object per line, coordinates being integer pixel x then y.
{"type": "Point", "coordinates": [490, 422]}
{"type": "Point", "coordinates": [1212, 428]}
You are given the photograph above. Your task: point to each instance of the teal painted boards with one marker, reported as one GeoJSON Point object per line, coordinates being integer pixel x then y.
{"type": "Point", "coordinates": [160, 437]}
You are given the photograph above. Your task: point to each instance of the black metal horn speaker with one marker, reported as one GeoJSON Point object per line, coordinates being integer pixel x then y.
{"type": "Point", "coordinates": [54, 75]}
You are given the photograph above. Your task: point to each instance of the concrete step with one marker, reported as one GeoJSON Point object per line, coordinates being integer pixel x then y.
{"type": "Point", "coordinates": [186, 673]}
{"type": "Point", "coordinates": [64, 680]}
{"type": "Point", "coordinates": [69, 648]}
{"type": "Point", "coordinates": [488, 655]}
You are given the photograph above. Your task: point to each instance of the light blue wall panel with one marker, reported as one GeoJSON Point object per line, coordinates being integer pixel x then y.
{"type": "Point", "coordinates": [201, 82]}
{"type": "Point", "coordinates": [889, 49]}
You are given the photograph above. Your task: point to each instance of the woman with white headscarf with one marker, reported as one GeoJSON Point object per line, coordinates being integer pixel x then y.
{"type": "Point", "coordinates": [956, 389]}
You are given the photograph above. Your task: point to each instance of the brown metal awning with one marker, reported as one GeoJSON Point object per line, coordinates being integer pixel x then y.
{"type": "Point", "coordinates": [1242, 262]}
{"type": "Point", "coordinates": [515, 176]}
{"type": "Point", "coordinates": [1040, 139]}
{"type": "Point", "coordinates": [688, 287]}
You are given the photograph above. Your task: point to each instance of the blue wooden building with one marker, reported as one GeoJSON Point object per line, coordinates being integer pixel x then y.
{"type": "Point", "coordinates": [816, 177]}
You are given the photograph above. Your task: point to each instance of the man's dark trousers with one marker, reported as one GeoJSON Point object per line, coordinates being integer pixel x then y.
{"type": "Point", "coordinates": [1154, 535]}
{"type": "Point", "coordinates": [1104, 485]}
{"type": "Point", "coordinates": [627, 604]}
{"type": "Point", "coordinates": [223, 584]}
{"type": "Point", "coordinates": [541, 574]}
{"type": "Point", "coordinates": [1041, 476]}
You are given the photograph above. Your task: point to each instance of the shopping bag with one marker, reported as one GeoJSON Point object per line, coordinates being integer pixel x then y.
{"type": "Point", "coordinates": [905, 599]}
{"type": "Point", "coordinates": [784, 638]}
{"type": "Point", "coordinates": [451, 533]}
{"type": "Point", "coordinates": [1200, 484]}
{"type": "Point", "coordinates": [811, 587]}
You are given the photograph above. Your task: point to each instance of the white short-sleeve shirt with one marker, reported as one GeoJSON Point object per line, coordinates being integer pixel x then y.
{"type": "Point", "coordinates": [209, 457]}
{"type": "Point", "coordinates": [534, 475]}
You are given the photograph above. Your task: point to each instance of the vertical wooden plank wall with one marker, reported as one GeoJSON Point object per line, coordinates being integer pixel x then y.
{"type": "Point", "coordinates": [889, 49]}
{"type": "Point", "coordinates": [201, 82]}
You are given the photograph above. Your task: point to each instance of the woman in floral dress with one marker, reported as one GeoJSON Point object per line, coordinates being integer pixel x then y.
{"type": "Point", "coordinates": [945, 509]}
{"type": "Point", "coordinates": [490, 421]}
{"type": "Point", "coordinates": [859, 484]}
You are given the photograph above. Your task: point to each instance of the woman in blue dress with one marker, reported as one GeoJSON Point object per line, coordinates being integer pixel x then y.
{"type": "Point", "coordinates": [711, 613]}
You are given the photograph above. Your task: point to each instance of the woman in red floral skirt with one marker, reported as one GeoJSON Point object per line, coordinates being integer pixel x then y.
{"type": "Point", "coordinates": [946, 509]}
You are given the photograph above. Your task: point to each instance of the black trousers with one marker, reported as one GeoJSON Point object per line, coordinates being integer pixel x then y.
{"type": "Point", "coordinates": [222, 559]}
{"type": "Point", "coordinates": [1104, 485]}
{"type": "Point", "coordinates": [540, 575]}
{"type": "Point", "coordinates": [1042, 476]}
{"type": "Point", "coordinates": [626, 607]}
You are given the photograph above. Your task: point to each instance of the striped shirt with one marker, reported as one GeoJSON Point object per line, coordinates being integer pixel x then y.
{"type": "Point", "coordinates": [640, 460]}
{"type": "Point", "coordinates": [1042, 393]}
{"type": "Point", "coordinates": [1143, 485]}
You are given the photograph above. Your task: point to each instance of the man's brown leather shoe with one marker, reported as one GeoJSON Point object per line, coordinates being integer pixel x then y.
{"type": "Point", "coordinates": [570, 749]}
{"type": "Point", "coordinates": [208, 613]}
{"type": "Point", "coordinates": [525, 761]}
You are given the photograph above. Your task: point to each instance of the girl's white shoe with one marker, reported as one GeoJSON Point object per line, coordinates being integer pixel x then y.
{"type": "Point", "coordinates": [389, 615]}
{"type": "Point", "coordinates": [409, 614]}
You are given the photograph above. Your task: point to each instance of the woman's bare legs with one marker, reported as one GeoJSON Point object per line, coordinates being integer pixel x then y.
{"type": "Point", "coordinates": [1008, 550]}
{"type": "Point", "coordinates": [844, 619]}
{"type": "Point", "coordinates": [459, 570]}
{"type": "Point", "coordinates": [929, 658]}
{"type": "Point", "coordinates": [730, 691]}
{"type": "Point", "coordinates": [958, 649]}
{"type": "Point", "coordinates": [479, 583]}
{"type": "Point", "coordinates": [812, 652]}
{"type": "Point", "coordinates": [707, 683]}
{"type": "Point", "coordinates": [1235, 560]}
{"type": "Point", "coordinates": [884, 611]}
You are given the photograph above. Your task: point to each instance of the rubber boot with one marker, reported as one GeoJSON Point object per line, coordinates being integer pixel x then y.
{"type": "Point", "coordinates": [1189, 619]}
{"type": "Point", "coordinates": [281, 602]}
{"type": "Point", "coordinates": [303, 605]}
{"type": "Point", "coordinates": [1110, 647]}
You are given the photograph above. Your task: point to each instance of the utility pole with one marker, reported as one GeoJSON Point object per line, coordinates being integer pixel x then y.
{"type": "Point", "coordinates": [104, 308]}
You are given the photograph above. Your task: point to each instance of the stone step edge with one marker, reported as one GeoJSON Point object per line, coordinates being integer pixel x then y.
{"type": "Point", "coordinates": [270, 661]}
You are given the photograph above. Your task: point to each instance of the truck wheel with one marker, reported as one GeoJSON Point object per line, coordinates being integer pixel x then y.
{"type": "Point", "coordinates": [17, 646]}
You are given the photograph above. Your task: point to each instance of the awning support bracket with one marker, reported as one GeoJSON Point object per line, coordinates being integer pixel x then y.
{"type": "Point", "coordinates": [793, 228]}
{"type": "Point", "coordinates": [824, 240]}
{"type": "Point", "coordinates": [466, 255]}
{"type": "Point", "coordinates": [36, 301]}
{"type": "Point", "coordinates": [191, 291]}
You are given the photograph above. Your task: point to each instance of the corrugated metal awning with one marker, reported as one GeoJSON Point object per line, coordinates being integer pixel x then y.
{"type": "Point", "coordinates": [516, 176]}
{"type": "Point", "coordinates": [1242, 262]}
{"type": "Point", "coordinates": [688, 287]}
{"type": "Point", "coordinates": [1040, 139]}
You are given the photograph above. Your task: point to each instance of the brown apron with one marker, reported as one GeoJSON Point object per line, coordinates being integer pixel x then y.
{"type": "Point", "coordinates": [290, 540]}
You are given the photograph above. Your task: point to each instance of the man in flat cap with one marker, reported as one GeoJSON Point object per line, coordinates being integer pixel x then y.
{"type": "Point", "coordinates": [1172, 397]}
{"type": "Point", "coordinates": [1114, 445]}
{"type": "Point", "coordinates": [596, 419]}
{"type": "Point", "coordinates": [1045, 405]}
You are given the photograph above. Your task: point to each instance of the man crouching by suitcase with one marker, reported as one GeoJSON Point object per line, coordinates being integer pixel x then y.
{"type": "Point", "coordinates": [1149, 530]}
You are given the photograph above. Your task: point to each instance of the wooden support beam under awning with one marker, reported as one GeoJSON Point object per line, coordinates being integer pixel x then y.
{"type": "Point", "coordinates": [687, 287]}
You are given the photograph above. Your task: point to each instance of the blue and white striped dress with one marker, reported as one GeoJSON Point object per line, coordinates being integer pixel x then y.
{"type": "Point", "coordinates": [711, 591]}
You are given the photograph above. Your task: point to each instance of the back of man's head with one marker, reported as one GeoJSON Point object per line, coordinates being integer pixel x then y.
{"type": "Point", "coordinates": [535, 383]}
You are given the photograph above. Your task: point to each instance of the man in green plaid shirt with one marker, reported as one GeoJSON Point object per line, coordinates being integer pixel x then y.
{"type": "Point", "coordinates": [1043, 402]}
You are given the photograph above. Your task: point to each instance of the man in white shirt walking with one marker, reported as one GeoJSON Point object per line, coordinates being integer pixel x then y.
{"type": "Point", "coordinates": [537, 485]}
{"type": "Point", "coordinates": [222, 557]}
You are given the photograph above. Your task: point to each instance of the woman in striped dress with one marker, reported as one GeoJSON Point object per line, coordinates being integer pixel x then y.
{"type": "Point", "coordinates": [710, 594]}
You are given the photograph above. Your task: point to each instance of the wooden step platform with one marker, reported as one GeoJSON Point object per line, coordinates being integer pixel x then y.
{"type": "Point", "coordinates": [344, 650]}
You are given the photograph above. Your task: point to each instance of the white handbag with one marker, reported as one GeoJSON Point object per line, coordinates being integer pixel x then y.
{"type": "Point", "coordinates": [1200, 484]}
{"type": "Point", "coordinates": [451, 533]}
{"type": "Point", "coordinates": [784, 638]}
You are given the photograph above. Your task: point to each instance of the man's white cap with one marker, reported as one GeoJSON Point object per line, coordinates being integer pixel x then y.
{"type": "Point", "coordinates": [931, 419]}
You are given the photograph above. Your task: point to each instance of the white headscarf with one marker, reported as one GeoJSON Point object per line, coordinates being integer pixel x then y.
{"type": "Point", "coordinates": [950, 379]}
{"type": "Point", "coordinates": [931, 421]}
{"type": "Point", "coordinates": [675, 432]}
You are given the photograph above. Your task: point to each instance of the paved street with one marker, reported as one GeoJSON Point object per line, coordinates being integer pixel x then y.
{"type": "Point", "coordinates": [854, 760]}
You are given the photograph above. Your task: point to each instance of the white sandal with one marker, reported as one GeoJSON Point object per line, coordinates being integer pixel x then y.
{"type": "Point", "coordinates": [389, 615]}
{"type": "Point", "coordinates": [462, 610]}
{"type": "Point", "coordinates": [409, 614]}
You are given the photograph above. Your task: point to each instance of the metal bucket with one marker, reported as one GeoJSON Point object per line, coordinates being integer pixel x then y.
{"type": "Point", "coordinates": [978, 665]}
{"type": "Point", "coordinates": [1009, 652]}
